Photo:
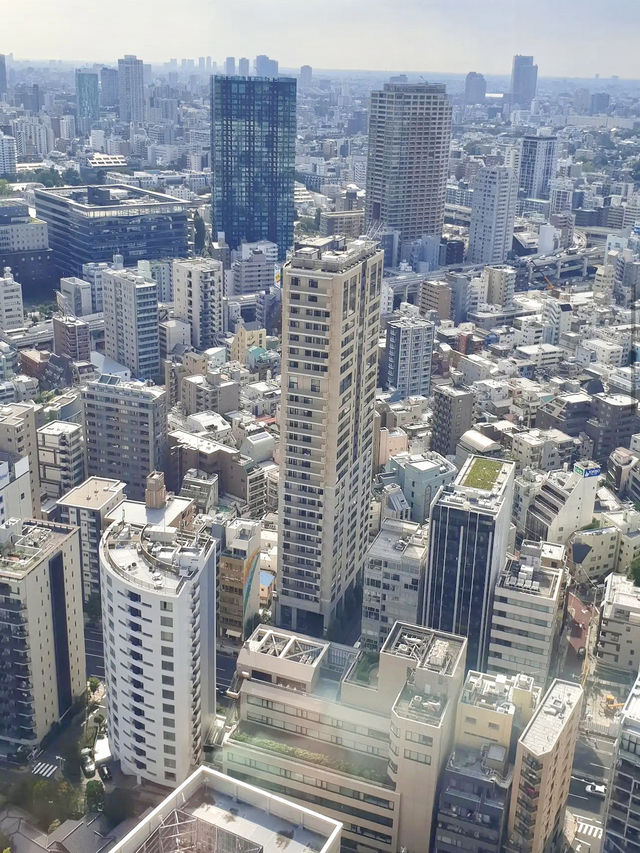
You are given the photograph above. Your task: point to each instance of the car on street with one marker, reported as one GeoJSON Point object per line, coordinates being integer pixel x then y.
{"type": "Point", "coordinates": [596, 790]}
{"type": "Point", "coordinates": [104, 773]}
{"type": "Point", "coordinates": [87, 763]}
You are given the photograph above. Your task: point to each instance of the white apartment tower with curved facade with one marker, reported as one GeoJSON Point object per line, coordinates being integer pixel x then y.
{"type": "Point", "coordinates": [158, 605]}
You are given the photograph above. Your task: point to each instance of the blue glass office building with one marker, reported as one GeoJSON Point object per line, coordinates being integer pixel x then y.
{"type": "Point", "coordinates": [253, 134]}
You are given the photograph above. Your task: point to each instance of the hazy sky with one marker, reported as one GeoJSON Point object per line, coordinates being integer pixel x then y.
{"type": "Point", "coordinates": [567, 37]}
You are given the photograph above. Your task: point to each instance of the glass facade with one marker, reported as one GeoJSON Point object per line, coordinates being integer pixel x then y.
{"type": "Point", "coordinates": [253, 159]}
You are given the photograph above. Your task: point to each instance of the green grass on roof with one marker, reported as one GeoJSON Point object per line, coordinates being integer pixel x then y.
{"type": "Point", "coordinates": [482, 474]}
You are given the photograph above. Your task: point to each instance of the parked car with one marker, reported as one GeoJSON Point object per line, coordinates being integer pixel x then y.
{"type": "Point", "coordinates": [596, 790]}
{"type": "Point", "coordinates": [87, 763]}
{"type": "Point", "coordinates": [104, 773]}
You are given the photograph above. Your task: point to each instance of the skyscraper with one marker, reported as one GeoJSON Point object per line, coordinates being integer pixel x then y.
{"type": "Point", "coordinates": [493, 212]}
{"type": "Point", "coordinates": [87, 98]}
{"type": "Point", "coordinates": [409, 352]}
{"type": "Point", "coordinates": [475, 88]}
{"type": "Point", "coordinates": [131, 89]}
{"type": "Point", "coordinates": [3, 75]}
{"type": "Point", "coordinates": [243, 66]}
{"type": "Point", "coordinates": [524, 80]}
{"type": "Point", "coordinates": [131, 322]}
{"type": "Point", "coordinates": [452, 416]}
{"type": "Point", "coordinates": [329, 375]}
{"type": "Point", "coordinates": [306, 76]}
{"type": "Point", "coordinates": [230, 66]}
{"type": "Point", "coordinates": [266, 67]}
{"type": "Point", "coordinates": [537, 165]}
{"type": "Point", "coordinates": [253, 148]}
{"type": "Point", "coordinates": [198, 291]}
{"type": "Point", "coordinates": [8, 155]}
{"type": "Point", "coordinates": [109, 87]}
{"type": "Point", "coordinates": [408, 156]}
{"type": "Point", "coordinates": [469, 529]}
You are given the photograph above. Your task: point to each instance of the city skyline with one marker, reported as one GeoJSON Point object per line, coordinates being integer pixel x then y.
{"type": "Point", "coordinates": [538, 30]}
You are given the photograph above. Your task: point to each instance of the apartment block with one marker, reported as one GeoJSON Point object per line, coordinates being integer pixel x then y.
{"type": "Point", "coordinates": [238, 598]}
{"type": "Point", "coordinates": [125, 430]}
{"type": "Point", "coordinates": [60, 457]}
{"type": "Point", "coordinates": [617, 649]}
{"type": "Point", "coordinates": [11, 309]}
{"type": "Point", "coordinates": [452, 416]}
{"type": "Point", "coordinates": [86, 507]}
{"type": "Point", "coordinates": [158, 620]}
{"type": "Point", "coordinates": [71, 338]}
{"type": "Point", "coordinates": [527, 614]}
{"type": "Point", "coordinates": [197, 297]}
{"type": "Point", "coordinates": [394, 577]}
{"type": "Point", "coordinates": [355, 733]}
{"type": "Point", "coordinates": [130, 305]}
{"type": "Point", "coordinates": [18, 436]}
{"type": "Point", "coordinates": [420, 476]}
{"type": "Point", "coordinates": [542, 771]}
{"type": "Point", "coordinates": [408, 353]}
{"type": "Point", "coordinates": [42, 629]}
{"type": "Point", "coordinates": [331, 305]}
{"type": "Point", "coordinates": [563, 503]}
{"type": "Point", "coordinates": [543, 450]}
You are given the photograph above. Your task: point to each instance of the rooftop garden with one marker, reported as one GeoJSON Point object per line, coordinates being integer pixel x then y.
{"type": "Point", "coordinates": [483, 474]}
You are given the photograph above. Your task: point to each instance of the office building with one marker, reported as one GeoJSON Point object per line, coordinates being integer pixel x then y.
{"type": "Point", "coordinates": [41, 628]}
{"type": "Point", "coordinates": [622, 811]}
{"type": "Point", "coordinates": [230, 66]}
{"type": "Point", "coordinates": [420, 476]}
{"type": "Point", "coordinates": [254, 270]}
{"type": "Point", "coordinates": [197, 295]}
{"type": "Point", "coordinates": [306, 76]}
{"type": "Point", "coordinates": [130, 304]}
{"type": "Point", "coordinates": [125, 430]}
{"type": "Point", "coordinates": [619, 628]}
{"type": "Point", "coordinates": [261, 822]}
{"type": "Point", "coordinates": [542, 771]}
{"type": "Point", "coordinates": [87, 99]}
{"type": "Point", "coordinates": [527, 613]}
{"type": "Point", "coordinates": [452, 417]}
{"type": "Point", "coordinates": [564, 502]}
{"type": "Point", "coordinates": [109, 89]}
{"type": "Point", "coordinates": [3, 76]}
{"type": "Point", "coordinates": [327, 413]}
{"type": "Point", "coordinates": [408, 354]}
{"type": "Point", "coordinates": [524, 80]}
{"type": "Point", "coordinates": [86, 507]}
{"type": "Point", "coordinates": [266, 67]}
{"type": "Point", "coordinates": [131, 89]}
{"type": "Point", "coordinates": [408, 158]}
{"type": "Point", "coordinates": [160, 670]}
{"type": "Point", "coordinates": [239, 580]}
{"type": "Point", "coordinates": [60, 457]}
{"type": "Point", "coordinates": [468, 538]}
{"type": "Point", "coordinates": [243, 66]}
{"type": "Point", "coordinates": [11, 310]}
{"type": "Point", "coordinates": [543, 450]}
{"type": "Point", "coordinates": [614, 419]}
{"type": "Point", "coordinates": [18, 436]}
{"type": "Point", "coordinates": [394, 576]}
{"type": "Point", "coordinates": [8, 156]}
{"type": "Point", "coordinates": [493, 211]}
{"type": "Point", "coordinates": [475, 88]}
{"type": "Point", "coordinates": [363, 732]}
{"type": "Point", "coordinates": [538, 162]}
{"type": "Point", "coordinates": [253, 159]}
{"type": "Point", "coordinates": [89, 225]}
{"type": "Point", "coordinates": [75, 296]}
{"type": "Point", "coordinates": [71, 338]}
{"type": "Point", "coordinates": [500, 283]}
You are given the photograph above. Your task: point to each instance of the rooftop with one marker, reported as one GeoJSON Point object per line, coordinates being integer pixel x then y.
{"type": "Point", "coordinates": [551, 716]}
{"type": "Point", "coordinates": [227, 814]}
{"type": "Point", "coordinates": [432, 650]}
{"type": "Point", "coordinates": [486, 690]}
{"type": "Point", "coordinates": [25, 544]}
{"type": "Point", "coordinates": [94, 493]}
{"type": "Point", "coordinates": [481, 474]}
{"type": "Point", "coordinates": [523, 577]}
{"type": "Point", "coordinates": [118, 199]}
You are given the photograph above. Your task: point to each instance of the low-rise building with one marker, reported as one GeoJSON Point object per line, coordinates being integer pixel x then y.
{"type": "Point", "coordinates": [238, 599]}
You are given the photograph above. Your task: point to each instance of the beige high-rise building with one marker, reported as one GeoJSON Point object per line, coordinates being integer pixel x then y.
{"type": "Point", "coordinates": [365, 736]}
{"type": "Point", "coordinates": [331, 310]}
{"type": "Point", "coordinates": [542, 771]}
{"type": "Point", "coordinates": [41, 629]}
{"type": "Point", "coordinates": [197, 296]}
{"type": "Point", "coordinates": [18, 435]}
{"type": "Point", "coordinates": [60, 457]}
{"type": "Point", "coordinates": [408, 155]}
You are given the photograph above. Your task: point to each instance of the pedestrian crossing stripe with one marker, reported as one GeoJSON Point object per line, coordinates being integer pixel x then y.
{"type": "Point", "coordinates": [44, 769]}
{"type": "Point", "coordinates": [589, 829]}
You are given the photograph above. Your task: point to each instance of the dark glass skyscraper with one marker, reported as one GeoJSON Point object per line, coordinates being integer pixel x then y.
{"type": "Point", "coordinates": [253, 132]}
{"type": "Point", "coordinates": [87, 98]}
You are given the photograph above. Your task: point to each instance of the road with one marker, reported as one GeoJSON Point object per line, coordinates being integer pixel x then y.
{"type": "Point", "coordinates": [94, 651]}
{"type": "Point", "coordinates": [592, 764]}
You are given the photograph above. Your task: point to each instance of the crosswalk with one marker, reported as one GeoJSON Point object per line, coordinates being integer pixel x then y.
{"type": "Point", "coordinates": [42, 768]}
{"type": "Point", "coordinates": [590, 830]}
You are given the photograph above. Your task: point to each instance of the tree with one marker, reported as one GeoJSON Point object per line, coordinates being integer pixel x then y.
{"type": "Point", "coordinates": [95, 795]}
{"type": "Point", "coordinates": [94, 683]}
{"type": "Point", "coordinates": [199, 234]}
{"type": "Point", "coordinates": [634, 571]}
{"type": "Point", "coordinates": [5, 188]}
{"type": "Point", "coordinates": [71, 178]}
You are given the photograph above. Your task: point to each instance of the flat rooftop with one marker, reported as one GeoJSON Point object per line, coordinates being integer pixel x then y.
{"type": "Point", "coordinates": [536, 581]}
{"type": "Point", "coordinates": [551, 716]}
{"type": "Point", "coordinates": [59, 428]}
{"type": "Point", "coordinates": [432, 650]}
{"type": "Point", "coordinates": [25, 544]}
{"type": "Point", "coordinates": [486, 690]}
{"type": "Point", "coordinates": [118, 199]}
{"type": "Point", "coordinates": [94, 493]}
{"type": "Point", "coordinates": [482, 474]}
{"type": "Point", "coordinates": [212, 811]}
